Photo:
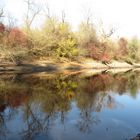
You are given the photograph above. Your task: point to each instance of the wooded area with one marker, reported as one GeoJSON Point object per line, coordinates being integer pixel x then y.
{"type": "Point", "coordinates": [56, 40]}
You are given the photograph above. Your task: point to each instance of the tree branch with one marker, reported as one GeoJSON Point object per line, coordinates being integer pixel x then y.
{"type": "Point", "coordinates": [1, 13]}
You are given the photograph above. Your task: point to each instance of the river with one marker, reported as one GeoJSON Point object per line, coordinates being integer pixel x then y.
{"type": "Point", "coordinates": [59, 106]}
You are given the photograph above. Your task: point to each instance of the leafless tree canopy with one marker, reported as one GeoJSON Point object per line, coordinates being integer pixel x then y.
{"type": "Point", "coordinates": [46, 11]}
{"type": "Point", "coordinates": [11, 21]}
{"type": "Point", "coordinates": [32, 11]}
{"type": "Point", "coordinates": [106, 34]}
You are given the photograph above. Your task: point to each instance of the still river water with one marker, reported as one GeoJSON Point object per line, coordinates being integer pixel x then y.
{"type": "Point", "coordinates": [69, 106]}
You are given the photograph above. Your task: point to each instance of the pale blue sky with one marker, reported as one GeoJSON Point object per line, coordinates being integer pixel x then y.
{"type": "Point", "coordinates": [122, 14]}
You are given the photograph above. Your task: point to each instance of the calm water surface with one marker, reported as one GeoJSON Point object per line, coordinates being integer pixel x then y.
{"type": "Point", "coordinates": [69, 107]}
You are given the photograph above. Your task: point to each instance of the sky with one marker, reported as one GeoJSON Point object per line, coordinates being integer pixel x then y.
{"type": "Point", "coordinates": [123, 15]}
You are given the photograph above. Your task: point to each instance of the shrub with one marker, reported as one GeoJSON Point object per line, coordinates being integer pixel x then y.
{"type": "Point", "coordinates": [54, 39]}
{"type": "Point", "coordinates": [99, 52]}
{"type": "Point", "coordinates": [67, 48]}
{"type": "Point", "coordinates": [86, 36]}
{"type": "Point", "coordinates": [134, 49]}
{"type": "Point", "coordinates": [16, 38]}
{"type": "Point", "coordinates": [13, 45]}
{"type": "Point", "coordinates": [122, 50]}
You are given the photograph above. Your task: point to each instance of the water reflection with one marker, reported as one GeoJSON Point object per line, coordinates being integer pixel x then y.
{"type": "Point", "coordinates": [35, 107]}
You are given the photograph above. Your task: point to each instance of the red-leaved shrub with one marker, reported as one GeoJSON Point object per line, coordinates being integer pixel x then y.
{"type": "Point", "coordinates": [99, 52]}
{"type": "Point", "coordinates": [17, 38]}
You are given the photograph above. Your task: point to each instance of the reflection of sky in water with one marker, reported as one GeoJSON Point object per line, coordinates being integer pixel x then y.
{"type": "Point", "coordinates": [119, 121]}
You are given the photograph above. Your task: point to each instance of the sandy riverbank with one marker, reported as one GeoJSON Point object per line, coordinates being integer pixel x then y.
{"type": "Point", "coordinates": [40, 66]}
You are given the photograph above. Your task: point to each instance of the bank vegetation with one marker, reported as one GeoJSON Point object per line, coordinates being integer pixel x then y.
{"type": "Point", "coordinates": [55, 41]}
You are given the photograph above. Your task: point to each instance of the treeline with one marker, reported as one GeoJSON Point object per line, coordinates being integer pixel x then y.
{"type": "Point", "coordinates": [55, 39]}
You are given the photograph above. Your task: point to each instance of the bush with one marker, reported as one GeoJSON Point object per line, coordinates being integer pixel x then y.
{"type": "Point", "coordinates": [134, 49]}
{"type": "Point", "coordinates": [100, 51]}
{"type": "Point", "coordinates": [54, 39]}
{"type": "Point", "coordinates": [86, 36]}
{"type": "Point", "coordinates": [122, 50]}
{"type": "Point", "coordinates": [67, 48]}
{"type": "Point", "coordinates": [13, 45]}
{"type": "Point", "coordinates": [16, 38]}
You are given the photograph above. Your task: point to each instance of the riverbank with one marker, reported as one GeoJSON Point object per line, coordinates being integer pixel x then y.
{"type": "Point", "coordinates": [51, 65]}
{"type": "Point", "coordinates": [40, 66]}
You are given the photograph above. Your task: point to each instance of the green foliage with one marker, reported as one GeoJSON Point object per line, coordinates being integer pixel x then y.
{"type": "Point", "coordinates": [54, 39]}
{"type": "Point", "coordinates": [66, 48]}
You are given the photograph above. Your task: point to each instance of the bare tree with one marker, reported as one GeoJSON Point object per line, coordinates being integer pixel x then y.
{"type": "Point", "coordinates": [11, 21]}
{"type": "Point", "coordinates": [88, 15]}
{"type": "Point", "coordinates": [109, 33]}
{"type": "Point", "coordinates": [48, 15]}
{"type": "Point", "coordinates": [46, 11]}
{"type": "Point", "coordinates": [1, 13]}
{"type": "Point", "coordinates": [63, 16]}
{"type": "Point", "coordinates": [33, 11]}
{"type": "Point", "coordinates": [106, 34]}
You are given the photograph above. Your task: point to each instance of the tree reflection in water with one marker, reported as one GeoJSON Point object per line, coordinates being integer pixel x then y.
{"type": "Point", "coordinates": [43, 100]}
